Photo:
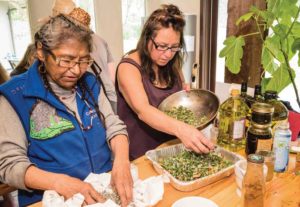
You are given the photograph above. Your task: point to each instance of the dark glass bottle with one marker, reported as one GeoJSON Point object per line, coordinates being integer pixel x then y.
{"type": "Point", "coordinates": [258, 97]}
{"type": "Point", "coordinates": [280, 111]}
{"type": "Point", "coordinates": [246, 98]}
{"type": "Point", "coordinates": [259, 134]}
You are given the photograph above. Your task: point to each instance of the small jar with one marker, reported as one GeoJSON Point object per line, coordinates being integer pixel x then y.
{"type": "Point", "coordinates": [269, 161]}
{"type": "Point", "coordinates": [254, 183]}
{"type": "Point", "coordinates": [262, 113]}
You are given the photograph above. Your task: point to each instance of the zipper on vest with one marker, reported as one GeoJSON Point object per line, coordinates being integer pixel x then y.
{"type": "Point", "coordinates": [86, 145]}
{"type": "Point", "coordinates": [89, 154]}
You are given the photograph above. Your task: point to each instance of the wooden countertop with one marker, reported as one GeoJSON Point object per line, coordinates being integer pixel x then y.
{"type": "Point", "coordinates": [282, 191]}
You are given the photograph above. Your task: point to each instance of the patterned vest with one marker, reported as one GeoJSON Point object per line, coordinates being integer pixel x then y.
{"type": "Point", "coordinates": [56, 142]}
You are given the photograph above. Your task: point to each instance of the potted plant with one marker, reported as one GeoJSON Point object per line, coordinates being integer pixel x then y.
{"type": "Point", "coordinates": [280, 21]}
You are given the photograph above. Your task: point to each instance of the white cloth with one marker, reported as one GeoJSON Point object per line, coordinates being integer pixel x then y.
{"type": "Point", "coordinates": [145, 193]}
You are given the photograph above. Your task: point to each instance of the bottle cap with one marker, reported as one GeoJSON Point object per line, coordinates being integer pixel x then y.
{"type": "Point", "coordinates": [284, 125]}
{"type": "Point", "coordinates": [262, 108]}
{"type": "Point", "coordinates": [269, 94]}
{"type": "Point", "coordinates": [255, 158]}
{"type": "Point", "coordinates": [235, 92]}
{"type": "Point", "coordinates": [260, 126]}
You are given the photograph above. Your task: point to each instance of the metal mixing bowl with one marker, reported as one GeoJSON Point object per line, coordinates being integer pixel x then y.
{"type": "Point", "coordinates": [200, 102]}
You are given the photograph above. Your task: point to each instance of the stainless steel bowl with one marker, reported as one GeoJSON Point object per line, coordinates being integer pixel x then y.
{"type": "Point", "coordinates": [200, 102]}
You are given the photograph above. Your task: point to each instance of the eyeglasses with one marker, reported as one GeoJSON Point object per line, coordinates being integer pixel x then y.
{"type": "Point", "coordinates": [66, 63]}
{"type": "Point", "coordinates": [165, 47]}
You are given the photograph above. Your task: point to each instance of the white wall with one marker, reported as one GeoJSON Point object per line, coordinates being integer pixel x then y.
{"type": "Point", "coordinates": [38, 9]}
{"type": "Point", "coordinates": [6, 39]}
{"type": "Point", "coordinates": [108, 15]}
{"type": "Point", "coordinates": [108, 18]}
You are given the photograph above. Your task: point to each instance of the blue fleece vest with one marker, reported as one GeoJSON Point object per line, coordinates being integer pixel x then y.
{"type": "Point", "coordinates": [66, 149]}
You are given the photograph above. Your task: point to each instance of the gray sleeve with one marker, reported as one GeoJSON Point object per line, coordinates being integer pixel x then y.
{"type": "Point", "coordinates": [13, 151]}
{"type": "Point", "coordinates": [114, 126]}
{"type": "Point", "coordinates": [110, 58]}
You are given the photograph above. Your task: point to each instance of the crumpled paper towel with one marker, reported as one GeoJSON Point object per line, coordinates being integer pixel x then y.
{"type": "Point", "coordinates": [145, 192]}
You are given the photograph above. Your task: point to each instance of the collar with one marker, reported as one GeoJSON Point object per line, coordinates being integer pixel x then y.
{"type": "Point", "coordinates": [34, 87]}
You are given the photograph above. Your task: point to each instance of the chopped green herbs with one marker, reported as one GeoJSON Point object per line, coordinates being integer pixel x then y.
{"type": "Point", "coordinates": [188, 166]}
{"type": "Point", "coordinates": [186, 115]}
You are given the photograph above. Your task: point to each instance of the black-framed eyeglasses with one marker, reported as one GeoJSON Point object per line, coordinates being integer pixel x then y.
{"type": "Point", "coordinates": [66, 63]}
{"type": "Point", "coordinates": [165, 47]}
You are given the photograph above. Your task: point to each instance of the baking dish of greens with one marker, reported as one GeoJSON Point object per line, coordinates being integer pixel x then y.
{"type": "Point", "coordinates": [189, 171]}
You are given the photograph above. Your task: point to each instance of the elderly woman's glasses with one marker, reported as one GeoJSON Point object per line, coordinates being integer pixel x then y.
{"type": "Point", "coordinates": [165, 47]}
{"type": "Point", "coordinates": [66, 63]}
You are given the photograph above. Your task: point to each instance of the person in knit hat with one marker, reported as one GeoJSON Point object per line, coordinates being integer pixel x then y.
{"type": "Point", "coordinates": [56, 124]}
{"type": "Point", "coordinates": [62, 6]}
{"type": "Point", "coordinates": [101, 53]}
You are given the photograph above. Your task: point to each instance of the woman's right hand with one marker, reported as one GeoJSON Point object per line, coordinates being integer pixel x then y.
{"type": "Point", "coordinates": [193, 139]}
{"type": "Point", "coordinates": [68, 186]}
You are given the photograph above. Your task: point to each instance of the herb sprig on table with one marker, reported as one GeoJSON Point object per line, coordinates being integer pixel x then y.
{"type": "Point", "coordinates": [188, 166]}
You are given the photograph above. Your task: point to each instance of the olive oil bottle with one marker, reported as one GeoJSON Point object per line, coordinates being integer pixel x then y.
{"type": "Point", "coordinates": [232, 118]}
{"type": "Point", "coordinates": [280, 111]}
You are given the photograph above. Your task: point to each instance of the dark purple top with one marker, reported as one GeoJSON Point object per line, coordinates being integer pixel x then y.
{"type": "Point", "coordinates": [143, 137]}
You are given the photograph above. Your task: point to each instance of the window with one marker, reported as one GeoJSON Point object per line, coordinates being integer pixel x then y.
{"type": "Point", "coordinates": [222, 28]}
{"type": "Point", "coordinates": [88, 5]}
{"type": "Point", "coordinates": [133, 12]}
{"type": "Point", "coordinates": [16, 29]}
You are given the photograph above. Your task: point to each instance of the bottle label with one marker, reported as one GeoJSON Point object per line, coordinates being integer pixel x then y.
{"type": "Point", "coordinates": [281, 151]}
{"type": "Point", "coordinates": [264, 144]}
{"type": "Point", "coordinates": [238, 129]}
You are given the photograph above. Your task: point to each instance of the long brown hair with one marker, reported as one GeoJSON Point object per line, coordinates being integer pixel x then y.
{"type": "Point", "coordinates": [165, 17]}
{"type": "Point", "coordinates": [3, 74]}
{"type": "Point", "coordinates": [26, 61]}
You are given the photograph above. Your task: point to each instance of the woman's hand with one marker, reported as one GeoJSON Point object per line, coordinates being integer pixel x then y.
{"type": "Point", "coordinates": [186, 86]}
{"type": "Point", "coordinates": [193, 139]}
{"type": "Point", "coordinates": [122, 181]}
{"type": "Point", "coordinates": [68, 186]}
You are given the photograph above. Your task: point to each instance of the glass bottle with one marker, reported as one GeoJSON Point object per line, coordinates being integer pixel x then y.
{"type": "Point", "coordinates": [254, 182]}
{"type": "Point", "coordinates": [282, 137]}
{"type": "Point", "coordinates": [232, 116]}
{"type": "Point", "coordinates": [258, 97]}
{"type": "Point", "coordinates": [280, 111]}
{"type": "Point", "coordinates": [259, 134]}
{"type": "Point", "coordinates": [259, 137]}
{"type": "Point", "coordinates": [246, 98]}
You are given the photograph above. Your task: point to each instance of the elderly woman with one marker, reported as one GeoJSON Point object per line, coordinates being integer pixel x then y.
{"type": "Point", "coordinates": [149, 74]}
{"type": "Point", "coordinates": [56, 124]}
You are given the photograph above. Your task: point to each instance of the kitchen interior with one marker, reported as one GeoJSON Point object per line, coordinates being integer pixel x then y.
{"type": "Point", "coordinates": [251, 112]}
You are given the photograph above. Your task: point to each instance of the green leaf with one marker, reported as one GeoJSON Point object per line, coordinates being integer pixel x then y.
{"type": "Point", "coordinates": [266, 15]}
{"type": "Point", "coordinates": [296, 30]}
{"type": "Point", "coordinates": [244, 17]}
{"type": "Point", "coordinates": [273, 45]}
{"type": "Point", "coordinates": [280, 79]}
{"type": "Point", "coordinates": [296, 45]}
{"type": "Point", "coordinates": [264, 83]}
{"type": "Point", "coordinates": [267, 61]}
{"type": "Point", "coordinates": [281, 30]}
{"type": "Point", "coordinates": [233, 52]}
{"type": "Point", "coordinates": [274, 6]}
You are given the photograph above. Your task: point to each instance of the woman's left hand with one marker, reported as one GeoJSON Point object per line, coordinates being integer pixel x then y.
{"type": "Point", "coordinates": [122, 180]}
{"type": "Point", "coordinates": [186, 86]}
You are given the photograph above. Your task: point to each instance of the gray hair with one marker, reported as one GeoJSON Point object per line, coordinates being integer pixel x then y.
{"type": "Point", "coordinates": [60, 28]}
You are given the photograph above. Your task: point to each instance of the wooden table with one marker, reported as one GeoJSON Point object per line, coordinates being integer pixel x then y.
{"type": "Point", "coordinates": [282, 191]}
